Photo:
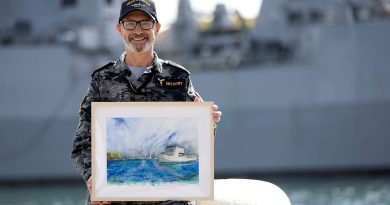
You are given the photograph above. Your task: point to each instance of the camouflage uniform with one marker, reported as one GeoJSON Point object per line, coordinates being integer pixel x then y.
{"type": "Point", "coordinates": [163, 81]}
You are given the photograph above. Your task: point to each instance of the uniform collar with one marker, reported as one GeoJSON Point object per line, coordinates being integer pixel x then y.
{"type": "Point", "coordinates": [156, 66]}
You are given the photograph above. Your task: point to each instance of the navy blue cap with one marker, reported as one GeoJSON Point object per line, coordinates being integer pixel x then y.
{"type": "Point", "coordinates": [146, 6]}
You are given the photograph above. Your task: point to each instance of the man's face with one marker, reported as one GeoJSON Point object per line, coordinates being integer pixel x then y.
{"type": "Point", "coordinates": [138, 40]}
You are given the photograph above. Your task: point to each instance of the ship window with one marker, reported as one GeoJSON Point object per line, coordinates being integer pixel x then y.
{"type": "Point", "coordinates": [23, 27]}
{"type": "Point", "coordinates": [109, 2]}
{"type": "Point", "coordinates": [69, 3]}
{"type": "Point", "coordinates": [317, 16]}
{"type": "Point", "coordinates": [295, 17]}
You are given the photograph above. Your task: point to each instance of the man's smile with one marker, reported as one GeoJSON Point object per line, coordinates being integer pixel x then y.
{"type": "Point", "coordinates": [138, 38]}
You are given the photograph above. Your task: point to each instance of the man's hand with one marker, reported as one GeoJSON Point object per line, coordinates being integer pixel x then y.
{"type": "Point", "coordinates": [216, 114]}
{"type": "Point", "coordinates": [89, 186]}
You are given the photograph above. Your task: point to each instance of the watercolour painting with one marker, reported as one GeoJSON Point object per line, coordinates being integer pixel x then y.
{"type": "Point", "coordinates": [165, 148]}
{"type": "Point", "coordinates": [152, 151]}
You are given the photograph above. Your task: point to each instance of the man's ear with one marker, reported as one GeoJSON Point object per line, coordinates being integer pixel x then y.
{"type": "Point", "coordinates": [158, 26]}
{"type": "Point", "coordinates": [118, 27]}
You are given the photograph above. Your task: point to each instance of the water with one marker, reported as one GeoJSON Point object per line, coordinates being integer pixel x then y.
{"type": "Point", "coordinates": [151, 172]}
{"type": "Point", "coordinates": [327, 190]}
{"type": "Point", "coordinates": [338, 190]}
{"type": "Point", "coordinates": [43, 195]}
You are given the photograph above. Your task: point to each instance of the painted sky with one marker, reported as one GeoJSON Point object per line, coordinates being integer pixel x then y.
{"type": "Point", "coordinates": [151, 135]}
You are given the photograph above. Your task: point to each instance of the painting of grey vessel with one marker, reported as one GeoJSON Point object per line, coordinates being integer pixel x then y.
{"type": "Point", "coordinates": [176, 154]}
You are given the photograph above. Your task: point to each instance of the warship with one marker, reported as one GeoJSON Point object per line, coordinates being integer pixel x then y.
{"type": "Point", "coordinates": [304, 88]}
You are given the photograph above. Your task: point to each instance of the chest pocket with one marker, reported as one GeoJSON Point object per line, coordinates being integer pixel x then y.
{"type": "Point", "coordinates": [114, 91]}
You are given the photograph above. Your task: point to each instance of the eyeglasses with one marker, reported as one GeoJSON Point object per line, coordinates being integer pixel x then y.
{"type": "Point", "coordinates": [131, 25]}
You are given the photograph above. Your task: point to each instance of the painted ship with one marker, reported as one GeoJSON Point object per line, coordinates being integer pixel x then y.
{"type": "Point", "coordinates": [175, 154]}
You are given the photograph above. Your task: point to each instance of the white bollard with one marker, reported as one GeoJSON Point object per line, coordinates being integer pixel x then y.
{"type": "Point", "coordinates": [246, 192]}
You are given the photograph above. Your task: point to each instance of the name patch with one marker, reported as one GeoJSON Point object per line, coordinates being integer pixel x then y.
{"type": "Point", "coordinates": [170, 83]}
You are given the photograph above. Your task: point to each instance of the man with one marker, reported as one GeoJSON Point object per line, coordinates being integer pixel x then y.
{"type": "Point", "coordinates": [138, 75]}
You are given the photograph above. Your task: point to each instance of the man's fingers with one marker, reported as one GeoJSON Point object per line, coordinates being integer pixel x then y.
{"type": "Point", "coordinates": [217, 113]}
{"type": "Point", "coordinates": [89, 185]}
{"type": "Point", "coordinates": [100, 202]}
{"type": "Point", "coordinates": [197, 99]}
{"type": "Point", "coordinates": [217, 116]}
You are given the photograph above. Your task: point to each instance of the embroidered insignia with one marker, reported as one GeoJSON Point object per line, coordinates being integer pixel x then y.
{"type": "Point", "coordinates": [170, 83]}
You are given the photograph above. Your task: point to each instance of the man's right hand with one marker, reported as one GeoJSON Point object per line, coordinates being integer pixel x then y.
{"type": "Point", "coordinates": [89, 186]}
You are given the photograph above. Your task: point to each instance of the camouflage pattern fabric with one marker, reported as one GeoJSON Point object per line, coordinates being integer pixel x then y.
{"type": "Point", "coordinates": [163, 81]}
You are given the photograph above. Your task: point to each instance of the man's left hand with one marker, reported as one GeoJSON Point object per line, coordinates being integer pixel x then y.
{"type": "Point", "coordinates": [216, 113]}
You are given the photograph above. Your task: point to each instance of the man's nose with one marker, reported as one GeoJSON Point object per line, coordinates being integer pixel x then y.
{"type": "Point", "coordinates": [138, 27]}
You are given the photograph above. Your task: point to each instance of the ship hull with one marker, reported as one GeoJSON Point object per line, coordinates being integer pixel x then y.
{"type": "Point", "coordinates": [170, 159]}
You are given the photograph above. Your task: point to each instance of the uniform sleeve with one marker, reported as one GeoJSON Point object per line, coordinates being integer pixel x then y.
{"type": "Point", "coordinates": [81, 153]}
{"type": "Point", "coordinates": [191, 93]}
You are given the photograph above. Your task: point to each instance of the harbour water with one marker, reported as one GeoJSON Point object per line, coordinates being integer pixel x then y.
{"type": "Point", "coordinates": [325, 190]}
{"type": "Point", "coordinates": [151, 172]}
{"type": "Point", "coordinates": [337, 189]}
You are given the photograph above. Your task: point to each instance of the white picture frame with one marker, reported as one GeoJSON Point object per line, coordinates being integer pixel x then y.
{"type": "Point", "coordinates": [152, 151]}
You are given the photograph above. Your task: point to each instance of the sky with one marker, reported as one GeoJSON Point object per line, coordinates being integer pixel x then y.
{"type": "Point", "coordinates": [151, 135]}
{"type": "Point", "coordinates": [166, 12]}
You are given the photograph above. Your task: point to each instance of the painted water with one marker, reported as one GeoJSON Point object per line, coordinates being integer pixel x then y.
{"type": "Point", "coordinates": [151, 172]}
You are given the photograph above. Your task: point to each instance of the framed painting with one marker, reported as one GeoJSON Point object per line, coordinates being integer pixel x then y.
{"type": "Point", "coordinates": [152, 151]}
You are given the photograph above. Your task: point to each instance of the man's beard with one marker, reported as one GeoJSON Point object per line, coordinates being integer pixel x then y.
{"type": "Point", "coordinates": [139, 48]}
